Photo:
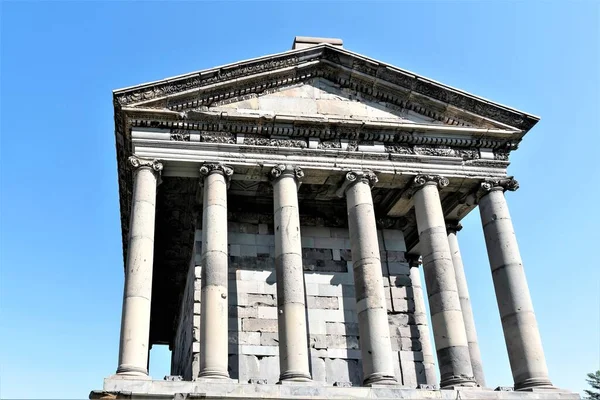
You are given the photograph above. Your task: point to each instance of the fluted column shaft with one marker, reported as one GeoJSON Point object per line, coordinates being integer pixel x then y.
{"type": "Point", "coordinates": [421, 320]}
{"type": "Point", "coordinates": [375, 345]}
{"type": "Point", "coordinates": [444, 304]}
{"type": "Point", "coordinates": [213, 309]}
{"type": "Point", "coordinates": [293, 341]}
{"type": "Point", "coordinates": [521, 334]}
{"type": "Point", "coordinates": [465, 302]}
{"type": "Point", "coordinates": [135, 320]}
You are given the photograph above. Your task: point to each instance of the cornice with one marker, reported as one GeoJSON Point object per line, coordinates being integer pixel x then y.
{"type": "Point", "coordinates": [342, 66]}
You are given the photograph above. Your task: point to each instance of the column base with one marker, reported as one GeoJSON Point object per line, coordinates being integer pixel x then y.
{"type": "Point", "coordinates": [213, 374]}
{"type": "Point", "coordinates": [294, 376]}
{"type": "Point", "coordinates": [458, 381]}
{"type": "Point", "coordinates": [534, 383]}
{"type": "Point", "coordinates": [379, 379]}
{"type": "Point", "coordinates": [130, 370]}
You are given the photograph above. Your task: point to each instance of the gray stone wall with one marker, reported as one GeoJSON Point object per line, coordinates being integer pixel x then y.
{"type": "Point", "coordinates": [331, 308]}
{"type": "Point", "coordinates": [184, 354]}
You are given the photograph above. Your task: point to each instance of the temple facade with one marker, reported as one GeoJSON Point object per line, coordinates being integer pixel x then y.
{"type": "Point", "coordinates": [276, 214]}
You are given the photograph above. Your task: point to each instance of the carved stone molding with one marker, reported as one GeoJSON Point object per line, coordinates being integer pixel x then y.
{"type": "Point", "coordinates": [438, 180]}
{"type": "Point", "coordinates": [354, 177]}
{"type": "Point", "coordinates": [180, 135]}
{"type": "Point", "coordinates": [367, 177]}
{"type": "Point", "coordinates": [453, 226]}
{"type": "Point", "coordinates": [217, 137]}
{"type": "Point", "coordinates": [258, 140]}
{"type": "Point", "coordinates": [136, 162]}
{"type": "Point", "coordinates": [208, 168]}
{"type": "Point", "coordinates": [499, 184]}
{"type": "Point", "coordinates": [282, 169]}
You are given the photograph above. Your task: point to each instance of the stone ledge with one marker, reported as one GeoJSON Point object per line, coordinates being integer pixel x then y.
{"type": "Point", "coordinates": [144, 389]}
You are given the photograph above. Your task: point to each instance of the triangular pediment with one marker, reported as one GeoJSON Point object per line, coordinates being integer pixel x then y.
{"type": "Point", "coordinates": [319, 97]}
{"type": "Point", "coordinates": [363, 86]}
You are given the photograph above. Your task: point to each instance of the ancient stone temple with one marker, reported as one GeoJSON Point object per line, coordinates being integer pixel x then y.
{"type": "Point", "coordinates": [276, 214]}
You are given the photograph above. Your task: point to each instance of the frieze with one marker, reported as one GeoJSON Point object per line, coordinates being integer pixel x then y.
{"type": "Point", "coordinates": [501, 155]}
{"type": "Point", "coordinates": [180, 135]}
{"type": "Point", "coordinates": [217, 137]}
{"type": "Point", "coordinates": [258, 140]}
{"type": "Point", "coordinates": [330, 144]}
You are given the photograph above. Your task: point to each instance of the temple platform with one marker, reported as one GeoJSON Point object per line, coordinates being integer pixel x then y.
{"type": "Point", "coordinates": [115, 388]}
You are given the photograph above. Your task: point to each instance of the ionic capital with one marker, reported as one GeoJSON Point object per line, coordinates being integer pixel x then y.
{"type": "Point", "coordinates": [136, 162]}
{"type": "Point", "coordinates": [422, 180]}
{"type": "Point", "coordinates": [490, 185]}
{"type": "Point", "coordinates": [220, 168]}
{"type": "Point", "coordinates": [453, 226]}
{"type": "Point", "coordinates": [290, 170]}
{"type": "Point", "coordinates": [354, 177]}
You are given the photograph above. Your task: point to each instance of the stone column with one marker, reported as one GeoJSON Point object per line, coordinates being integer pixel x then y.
{"type": "Point", "coordinates": [444, 305]}
{"type": "Point", "coordinates": [135, 320]}
{"type": "Point", "coordinates": [452, 227]}
{"type": "Point", "coordinates": [213, 311]}
{"type": "Point", "coordinates": [375, 345]}
{"type": "Point", "coordinates": [521, 333]}
{"type": "Point", "coordinates": [421, 319]}
{"type": "Point", "coordinates": [293, 341]}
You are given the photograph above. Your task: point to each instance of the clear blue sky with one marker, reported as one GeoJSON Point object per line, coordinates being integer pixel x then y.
{"type": "Point", "coordinates": [61, 264]}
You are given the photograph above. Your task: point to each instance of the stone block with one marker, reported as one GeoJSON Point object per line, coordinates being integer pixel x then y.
{"type": "Point", "coordinates": [253, 299]}
{"type": "Point", "coordinates": [343, 353]}
{"type": "Point", "coordinates": [316, 324]}
{"type": "Point", "coordinates": [395, 256]}
{"type": "Point", "coordinates": [307, 241]}
{"type": "Point", "coordinates": [342, 342]}
{"type": "Point", "coordinates": [339, 233]}
{"type": "Point", "coordinates": [341, 371]}
{"type": "Point", "coordinates": [265, 251]}
{"type": "Point", "coordinates": [400, 280]}
{"type": "Point", "coordinates": [315, 231]}
{"type": "Point", "coordinates": [316, 254]}
{"type": "Point", "coordinates": [403, 305]}
{"type": "Point", "coordinates": [248, 368]}
{"type": "Point", "coordinates": [242, 238]}
{"type": "Point", "coordinates": [267, 312]}
{"type": "Point", "coordinates": [259, 325]}
{"type": "Point", "coordinates": [248, 250]}
{"type": "Point", "coordinates": [263, 229]}
{"type": "Point", "coordinates": [268, 338]}
{"type": "Point", "coordinates": [398, 268]}
{"type": "Point", "coordinates": [336, 253]}
{"type": "Point", "coordinates": [269, 369]}
{"type": "Point", "coordinates": [261, 276]}
{"type": "Point", "coordinates": [329, 243]}
{"type": "Point", "coordinates": [265, 240]}
{"type": "Point", "coordinates": [245, 338]}
{"type": "Point", "coordinates": [259, 350]}
{"type": "Point", "coordinates": [394, 240]}
{"type": "Point", "coordinates": [318, 370]}
{"type": "Point", "coordinates": [318, 341]}
{"type": "Point", "coordinates": [322, 302]}
{"type": "Point", "coordinates": [340, 328]}
{"type": "Point", "coordinates": [398, 319]}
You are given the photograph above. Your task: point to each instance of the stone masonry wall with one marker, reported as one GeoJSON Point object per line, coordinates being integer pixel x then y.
{"type": "Point", "coordinates": [331, 307]}
{"type": "Point", "coordinates": [186, 347]}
